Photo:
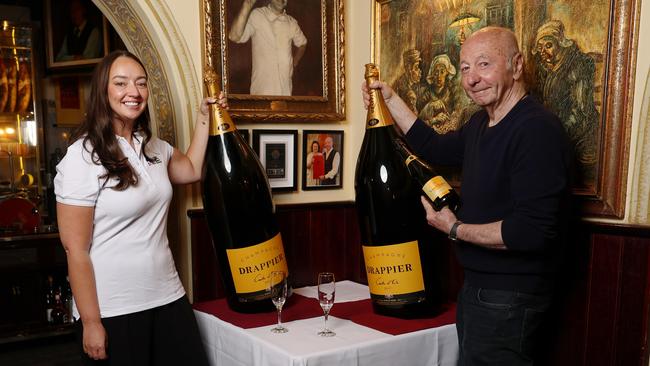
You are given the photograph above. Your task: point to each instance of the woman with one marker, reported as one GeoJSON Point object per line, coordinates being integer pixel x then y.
{"type": "Point", "coordinates": [315, 162]}
{"type": "Point", "coordinates": [113, 190]}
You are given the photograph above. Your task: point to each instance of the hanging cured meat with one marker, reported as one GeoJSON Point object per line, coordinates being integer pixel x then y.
{"type": "Point", "coordinates": [24, 88]}
{"type": "Point", "coordinates": [12, 82]}
{"type": "Point", "coordinates": [4, 87]}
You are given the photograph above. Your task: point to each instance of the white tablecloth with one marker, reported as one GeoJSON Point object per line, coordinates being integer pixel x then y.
{"type": "Point", "coordinates": [353, 345]}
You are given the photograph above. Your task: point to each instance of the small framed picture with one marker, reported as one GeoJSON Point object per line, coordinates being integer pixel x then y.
{"type": "Point", "coordinates": [77, 33]}
{"type": "Point", "coordinates": [322, 166]}
{"type": "Point", "coordinates": [69, 99]}
{"type": "Point", "coordinates": [277, 150]}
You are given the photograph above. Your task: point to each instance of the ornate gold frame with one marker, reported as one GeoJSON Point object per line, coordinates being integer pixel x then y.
{"type": "Point", "coordinates": [607, 196]}
{"type": "Point", "coordinates": [329, 106]}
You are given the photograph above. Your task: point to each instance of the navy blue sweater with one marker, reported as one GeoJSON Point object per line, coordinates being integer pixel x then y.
{"type": "Point", "coordinates": [516, 171]}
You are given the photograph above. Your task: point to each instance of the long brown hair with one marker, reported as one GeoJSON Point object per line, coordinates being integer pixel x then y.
{"type": "Point", "coordinates": [97, 127]}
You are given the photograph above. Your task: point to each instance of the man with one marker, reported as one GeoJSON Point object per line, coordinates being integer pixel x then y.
{"type": "Point", "coordinates": [515, 158]}
{"type": "Point", "coordinates": [407, 83]}
{"type": "Point", "coordinates": [332, 161]}
{"type": "Point", "coordinates": [83, 40]}
{"type": "Point", "coordinates": [565, 78]}
{"type": "Point", "coordinates": [273, 33]}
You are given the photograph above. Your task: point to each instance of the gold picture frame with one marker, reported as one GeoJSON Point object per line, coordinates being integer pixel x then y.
{"type": "Point", "coordinates": [318, 80]}
{"type": "Point", "coordinates": [92, 40]}
{"type": "Point", "coordinates": [607, 56]}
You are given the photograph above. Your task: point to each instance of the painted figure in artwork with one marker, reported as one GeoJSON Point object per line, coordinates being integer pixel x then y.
{"type": "Point", "coordinates": [440, 96]}
{"type": "Point", "coordinates": [565, 82]}
{"type": "Point", "coordinates": [407, 83]}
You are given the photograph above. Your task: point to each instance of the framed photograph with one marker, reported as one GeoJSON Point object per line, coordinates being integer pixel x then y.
{"type": "Point", "coordinates": [293, 73]}
{"type": "Point", "coordinates": [69, 101]}
{"type": "Point", "coordinates": [322, 166]}
{"type": "Point", "coordinates": [77, 33]}
{"type": "Point", "coordinates": [277, 150]}
{"type": "Point", "coordinates": [579, 61]}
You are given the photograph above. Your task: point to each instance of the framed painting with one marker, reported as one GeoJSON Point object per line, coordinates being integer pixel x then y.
{"type": "Point", "coordinates": [295, 72]}
{"type": "Point", "coordinates": [322, 166]}
{"type": "Point", "coordinates": [278, 150]}
{"type": "Point", "coordinates": [579, 62]}
{"type": "Point", "coordinates": [77, 33]}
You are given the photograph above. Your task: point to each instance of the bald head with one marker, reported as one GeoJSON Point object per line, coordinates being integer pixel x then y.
{"type": "Point", "coordinates": [329, 143]}
{"type": "Point", "coordinates": [492, 68]}
{"type": "Point", "coordinates": [503, 40]}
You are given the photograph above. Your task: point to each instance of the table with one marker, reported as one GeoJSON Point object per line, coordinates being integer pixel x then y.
{"type": "Point", "coordinates": [354, 344]}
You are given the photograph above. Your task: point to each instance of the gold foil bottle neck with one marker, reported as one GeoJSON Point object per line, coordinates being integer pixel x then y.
{"type": "Point", "coordinates": [378, 113]}
{"type": "Point", "coordinates": [220, 121]}
{"type": "Point", "coordinates": [372, 73]}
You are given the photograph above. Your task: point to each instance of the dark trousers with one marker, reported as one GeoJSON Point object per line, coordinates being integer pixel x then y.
{"type": "Point", "coordinates": [166, 335]}
{"type": "Point", "coordinates": [498, 327]}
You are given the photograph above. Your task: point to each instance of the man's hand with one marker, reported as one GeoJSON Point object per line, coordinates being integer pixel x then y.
{"type": "Point", "coordinates": [386, 91]}
{"type": "Point", "coordinates": [442, 220]}
{"type": "Point", "coordinates": [401, 112]}
{"type": "Point", "coordinates": [241, 19]}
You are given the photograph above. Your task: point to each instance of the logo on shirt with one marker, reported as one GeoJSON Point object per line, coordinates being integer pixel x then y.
{"type": "Point", "coordinates": [154, 160]}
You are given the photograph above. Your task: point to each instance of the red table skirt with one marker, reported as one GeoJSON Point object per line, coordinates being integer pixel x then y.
{"type": "Point", "coordinates": [301, 307]}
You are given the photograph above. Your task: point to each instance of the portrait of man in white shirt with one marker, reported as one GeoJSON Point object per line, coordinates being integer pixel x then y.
{"type": "Point", "coordinates": [277, 45]}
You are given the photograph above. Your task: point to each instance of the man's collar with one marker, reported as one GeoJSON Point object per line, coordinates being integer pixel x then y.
{"type": "Point", "coordinates": [271, 15]}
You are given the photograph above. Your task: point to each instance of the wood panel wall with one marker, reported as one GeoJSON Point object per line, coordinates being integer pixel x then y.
{"type": "Point", "coordinates": [602, 313]}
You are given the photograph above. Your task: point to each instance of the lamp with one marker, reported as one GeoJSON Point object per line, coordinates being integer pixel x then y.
{"type": "Point", "coordinates": [461, 22]}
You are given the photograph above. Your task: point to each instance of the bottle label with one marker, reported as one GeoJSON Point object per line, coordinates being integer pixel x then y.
{"type": "Point", "coordinates": [220, 122]}
{"type": "Point", "coordinates": [410, 159]}
{"type": "Point", "coordinates": [394, 270]}
{"type": "Point", "coordinates": [251, 266]}
{"type": "Point", "coordinates": [378, 114]}
{"type": "Point", "coordinates": [436, 187]}
{"type": "Point", "coordinates": [222, 128]}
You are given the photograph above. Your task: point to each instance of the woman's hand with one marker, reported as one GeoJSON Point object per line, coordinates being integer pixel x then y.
{"type": "Point", "coordinates": [95, 340]}
{"type": "Point", "coordinates": [204, 108]}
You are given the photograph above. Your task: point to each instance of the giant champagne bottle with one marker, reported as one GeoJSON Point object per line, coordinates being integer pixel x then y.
{"type": "Point", "coordinates": [392, 220]}
{"type": "Point", "coordinates": [240, 213]}
{"type": "Point", "coordinates": [434, 186]}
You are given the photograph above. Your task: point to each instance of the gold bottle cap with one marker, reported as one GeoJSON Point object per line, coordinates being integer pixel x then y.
{"type": "Point", "coordinates": [372, 73]}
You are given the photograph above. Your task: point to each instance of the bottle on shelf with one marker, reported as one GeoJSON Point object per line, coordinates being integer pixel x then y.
{"type": "Point", "coordinates": [435, 187]}
{"type": "Point", "coordinates": [240, 213]}
{"type": "Point", "coordinates": [59, 312]}
{"type": "Point", "coordinates": [49, 298]}
{"type": "Point", "coordinates": [392, 220]}
{"type": "Point", "coordinates": [67, 299]}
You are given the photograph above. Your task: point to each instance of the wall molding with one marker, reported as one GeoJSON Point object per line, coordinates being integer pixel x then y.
{"type": "Point", "coordinates": [640, 196]}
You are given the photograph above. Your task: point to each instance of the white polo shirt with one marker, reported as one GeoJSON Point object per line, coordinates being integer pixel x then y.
{"type": "Point", "coordinates": [133, 265]}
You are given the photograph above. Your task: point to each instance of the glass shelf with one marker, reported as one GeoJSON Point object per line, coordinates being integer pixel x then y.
{"type": "Point", "coordinates": [21, 183]}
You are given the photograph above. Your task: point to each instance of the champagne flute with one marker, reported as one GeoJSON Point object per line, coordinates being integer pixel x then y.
{"type": "Point", "coordinates": [277, 286]}
{"type": "Point", "coordinates": [326, 292]}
